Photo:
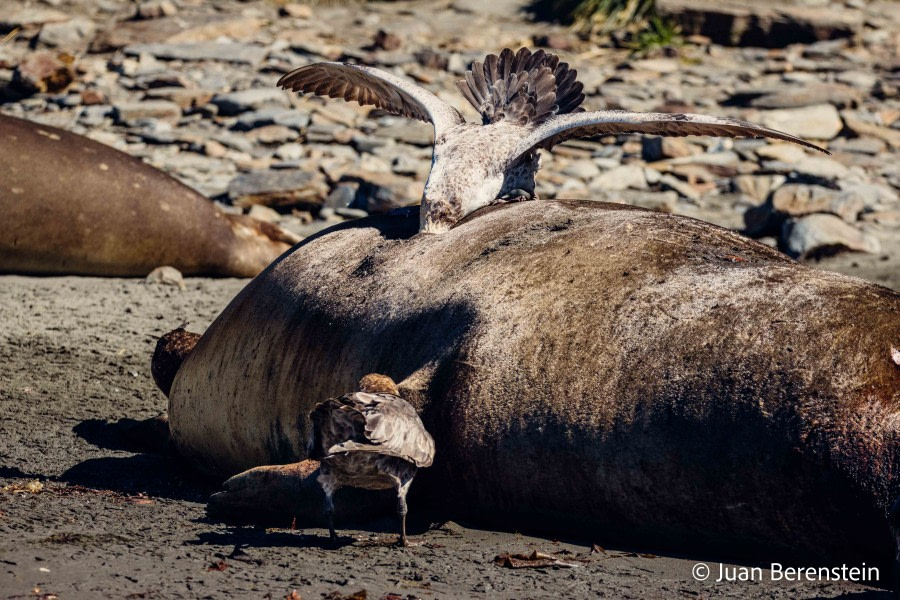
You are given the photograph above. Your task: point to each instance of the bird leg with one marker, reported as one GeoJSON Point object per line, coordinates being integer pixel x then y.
{"type": "Point", "coordinates": [329, 515]}
{"type": "Point", "coordinates": [401, 510]}
{"type": "Point", "coordinates": [329, 487]}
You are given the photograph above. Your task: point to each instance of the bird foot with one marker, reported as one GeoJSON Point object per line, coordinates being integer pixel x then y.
{"type": "Point", "coordinates": [517, 195]}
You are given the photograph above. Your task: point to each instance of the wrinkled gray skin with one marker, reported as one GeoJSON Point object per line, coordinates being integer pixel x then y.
{"type": "Point", "coordinates": [588, 367]}
{"type": "Point", "coordinates": [70, 205]}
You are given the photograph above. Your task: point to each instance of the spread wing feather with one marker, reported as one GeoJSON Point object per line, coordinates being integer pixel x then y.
{"type": "Point", "coordinates": [377, 423]}
{"type": "Point", "coordinates": [522, 87]}
{"type": "Point", "coordinates": [373, 87]}
{"type": "Point", "coordinates": [585, 124]}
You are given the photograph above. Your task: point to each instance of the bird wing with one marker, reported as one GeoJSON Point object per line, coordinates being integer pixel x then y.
{"type": "Point", "coordinates": [392, 427]}
{"type": "Point", "coordinates": [332, 424]}
{"type": "Point", "coordinates": [565, 127]}
{"type": "Point", "coordinates": [373, 87]}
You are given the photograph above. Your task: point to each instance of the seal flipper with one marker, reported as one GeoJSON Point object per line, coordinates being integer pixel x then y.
{"type": "Point", "coordinates": [273, 493]}
{"type": "Point", "coordinates": [171, 350]}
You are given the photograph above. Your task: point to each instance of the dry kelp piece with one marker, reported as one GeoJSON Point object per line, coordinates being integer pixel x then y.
{"type": "Point", "coordinates": [535, 560]}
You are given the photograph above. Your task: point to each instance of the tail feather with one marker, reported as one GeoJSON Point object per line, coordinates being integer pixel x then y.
{"type": "Point", "coordinates": [525, 87]}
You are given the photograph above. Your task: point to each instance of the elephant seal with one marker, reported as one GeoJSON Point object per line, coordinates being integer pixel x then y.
{"type": "Point", "coordinates": [626, 374]}
{"type": "Point", "coordinates": [71, 205]}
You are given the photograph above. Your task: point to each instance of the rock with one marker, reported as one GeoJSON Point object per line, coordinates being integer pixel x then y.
{"type": "Point", "coordinates": [798, 199]}
{"type": "Point", "coordinates": [296, 11]}
{"type": "Point", "coordinates": [386, 40]}
{"type": "Point", "coordinates": [659, 148]}
{"type": "Point", "coordinates": [432, 59]}
{"type": "Point", "coordinates": [788, 153]}
{"type": "Point", "coordinates": [233, 52]}
{"type": "Point", "coordinates": [408, 132]}
{"type": "Point", "coordinates": [166, 276]}
{"type": "Point", "coordinates": [380, 192]}
{"type": "Point", "coordinates": [44, 72]}
{"type": "Point", "coordinates": [240, 28]}
{"type": "Point", "coordinates": [765, 23]}
{"type": "Point", "coordinates": [264, 213]}
{"type": "Point", "coordinates": [620, 178]}
{"type": "Point", "coordinates": [273, 134]}
{"type": "Point", "coordinates": [290, 152]}
{"type": "Point", "coordinates": [658, 201]}
{"type": "Point", "coordinates": [861, 127]}
{"type": "Point", "coordinates": [155, 9]}
{"type": "Point", "coordinates": [818, 234]}
{"type": "Point", "coordinates": [555, 41]}
{"type": "Point", "coordinates": [277, 188]}
{"type": "Point", "coordinates": [840, 96]}
{"type": "Point", "coordinates": [266, 115]}
{"type": "Point", "coordinates": [582, 169]}
{"type": "Point", "coordinates": [71, 35]}
{"type": "Point", "coordinates": [214, 149]}
{"type": "Point", "coordinates": [233, 103]}
{"type": "Point", "coordinates": [129, 113]}
{"type": "Point", "coordinates": [819, 122]}
{"type": "Point", "coordinates": [758, 187]}
{"type": "Point", "coordinates": [31, 17]}
{"type": "Point", "coordinates": [185, 98]}
{"type": "Point", "coordinates": [684, 189]}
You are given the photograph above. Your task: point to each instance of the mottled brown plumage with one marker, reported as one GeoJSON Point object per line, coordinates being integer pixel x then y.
{"type": "Point", "coordinates": [371, 439]}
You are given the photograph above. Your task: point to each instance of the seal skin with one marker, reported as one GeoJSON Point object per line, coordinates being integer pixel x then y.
{"type": "Point", "coordinates": [622, 373]}
{"type": "Point", "coordinates": [71, 205]}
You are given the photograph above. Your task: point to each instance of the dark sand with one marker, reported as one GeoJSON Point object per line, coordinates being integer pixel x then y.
{"type": "Point", "coordinates": [112, 523]}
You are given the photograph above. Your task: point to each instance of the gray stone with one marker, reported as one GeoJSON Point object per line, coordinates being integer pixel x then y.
{"type": "Point", "coordinates": [819, 122]}
{"type": "Point", "coordinates": [277, 188]}
{"type": "Point", "coordinates": [233, 103]}
{"type": "Point", "coordinates": [74, 34]}
{"type": "Point", "coordinates": [816, 234]}
{"type": "Point", "coordinates": [234, 52]}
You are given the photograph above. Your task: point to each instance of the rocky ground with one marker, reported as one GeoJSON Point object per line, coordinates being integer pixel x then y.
{"type": "Point", "coordinates": [189, 86]}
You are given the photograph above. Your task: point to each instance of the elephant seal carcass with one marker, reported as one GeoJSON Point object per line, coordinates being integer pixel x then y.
{"type": "Point", "coordinates": [71, 205]}
{"type": "Point", "coordinates": [633, 375]}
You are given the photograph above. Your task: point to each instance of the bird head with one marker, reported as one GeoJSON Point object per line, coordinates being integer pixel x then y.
{"type": "Point", "coordinates": [375, 383]}
{"type": "Point", "coordinates": [452, 194]}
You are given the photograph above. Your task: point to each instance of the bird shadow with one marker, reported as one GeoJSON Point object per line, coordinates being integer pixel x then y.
{"type": "Point", "coordinates": [255, 537]}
